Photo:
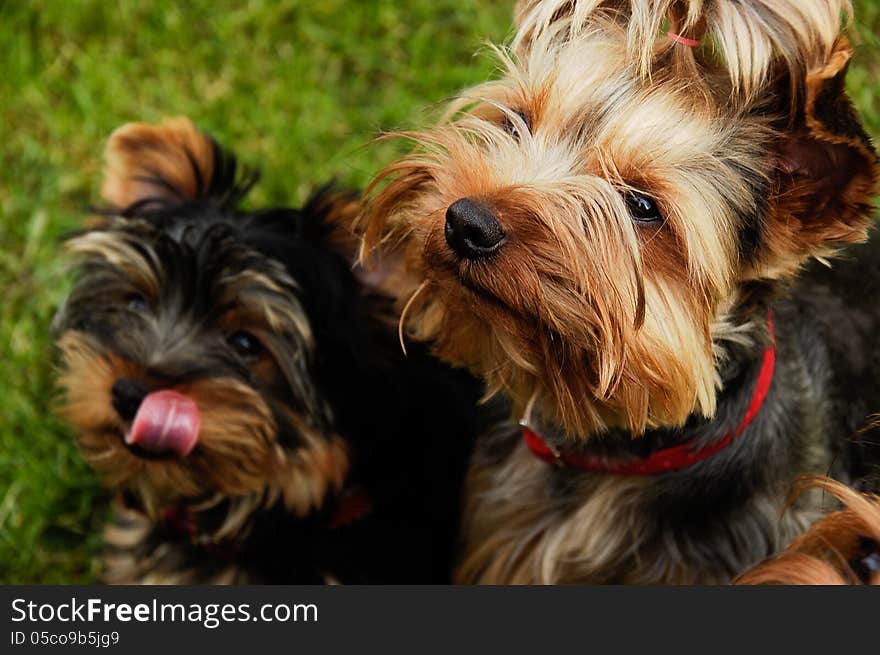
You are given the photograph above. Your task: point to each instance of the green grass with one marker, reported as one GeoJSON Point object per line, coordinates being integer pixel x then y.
{"type": "Point", "coordinates": [299, 87]}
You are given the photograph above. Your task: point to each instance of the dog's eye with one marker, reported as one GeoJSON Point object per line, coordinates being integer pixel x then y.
{"type": "Point", "coordinates": [642, 208]}
{"type": "Point", "coordinates": [245, 344]}
{"type": "Point", "coordinates": [511, 128]}
{"type": "Point", "coordinates": [136, 302]}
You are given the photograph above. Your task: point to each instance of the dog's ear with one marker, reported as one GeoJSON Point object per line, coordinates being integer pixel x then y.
{"type": "Point", "coordinates": [151, 167]}
{"type": "Point", "coordinates": [824, 169]}
{"type": "Point", "coordinates": [330, 215]}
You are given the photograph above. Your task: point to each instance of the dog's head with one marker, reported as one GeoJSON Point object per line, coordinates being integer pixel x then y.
{"type": "Point", "coordinates": [588, 229]}
{"type": "Point", "coordinates": [188, 342]}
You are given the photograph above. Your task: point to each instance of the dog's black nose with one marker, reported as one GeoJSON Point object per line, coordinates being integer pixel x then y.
{"type": "Point", "coordinates": [126, 396]}
{"type": "Point", "coordinates": [472, 231]}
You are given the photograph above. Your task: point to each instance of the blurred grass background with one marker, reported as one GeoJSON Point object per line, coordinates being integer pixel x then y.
{"type": "Point", "coordinates": [299, 88]}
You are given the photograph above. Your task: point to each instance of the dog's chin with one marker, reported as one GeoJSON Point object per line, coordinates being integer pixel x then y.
{"type": "Point", "coordinates": [116, 441]}
{"type": "Point", "coordinates": [123, 466]}
{"type": "Point", "coordinates": [150, 456]}
{"type": "Point", "coordinates": [482, 295]}
{"type": "Point", "coordinates": [518, 366]}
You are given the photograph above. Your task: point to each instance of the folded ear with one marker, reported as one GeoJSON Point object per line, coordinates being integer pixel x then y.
{"type": "Point", "coordinates": [149, 167]}
{"type": "Point", "coordinates": [824, 170]}
{"type": "Point", "coordinates": [330, 214]}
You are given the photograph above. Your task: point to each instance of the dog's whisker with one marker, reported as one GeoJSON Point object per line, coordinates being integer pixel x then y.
{"type": "Point", "coordinates": [402, 321]}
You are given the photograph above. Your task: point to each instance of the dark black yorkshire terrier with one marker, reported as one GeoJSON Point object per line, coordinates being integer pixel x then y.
{"type": "Point", "coordinates": [230, 375]}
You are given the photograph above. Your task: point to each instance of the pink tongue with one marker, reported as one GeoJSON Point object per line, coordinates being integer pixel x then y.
{"type": "Point", "coordinates": [166, 421]}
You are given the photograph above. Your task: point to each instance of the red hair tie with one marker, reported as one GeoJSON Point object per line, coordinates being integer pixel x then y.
{"type": "Point", "coordinates": [678, 38]}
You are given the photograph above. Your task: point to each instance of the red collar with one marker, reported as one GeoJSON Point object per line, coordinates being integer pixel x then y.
{"type": "Point", "coordinates": [674, 458]}
{"type": "Point", "coordinates": [354, 505]}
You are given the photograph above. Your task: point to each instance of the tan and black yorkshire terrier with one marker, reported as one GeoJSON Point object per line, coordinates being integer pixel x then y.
{"type": "Point", "coordinates": [232, 377]}
{"type": "Point", "coordinates": [621, 234]}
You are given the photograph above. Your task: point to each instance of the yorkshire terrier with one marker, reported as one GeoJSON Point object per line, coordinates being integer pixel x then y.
{"type": "Point", "coordinates": [231, 375]}
{"type": "Point", "coordinates": [842, 548]}
{"type": "Point", "coordinates": [618, 234]}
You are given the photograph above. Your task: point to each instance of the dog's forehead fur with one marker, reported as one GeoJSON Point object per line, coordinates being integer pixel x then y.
{"type": "Point", "coordinates": [574, 98]}
{"type": "Point", "coordinates": [199, 269]}
{"type": "Point", "coordinates": [580, 108]}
